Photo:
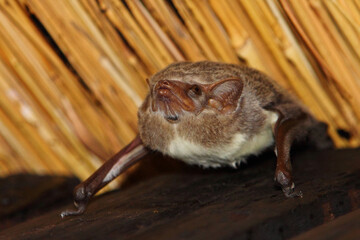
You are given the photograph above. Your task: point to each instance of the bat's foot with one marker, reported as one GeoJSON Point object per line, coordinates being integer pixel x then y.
{"type": "Point", "coordinates": [283, 178]}
{"type": "Point", "coordinates": [291, 192]}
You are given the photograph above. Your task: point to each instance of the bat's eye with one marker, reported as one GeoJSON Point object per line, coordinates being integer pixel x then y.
{"type": "Point", "coordinates": [195, 89]}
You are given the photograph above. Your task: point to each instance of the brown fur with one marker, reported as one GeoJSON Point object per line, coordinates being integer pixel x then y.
{"type": "Point", "coordinates": [232, 99]}
{"type": "Point", "coordinates": [209, 128]}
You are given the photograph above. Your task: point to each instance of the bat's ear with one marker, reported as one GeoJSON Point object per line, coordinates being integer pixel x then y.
{"type": "Point", "coordinates": [224, 95]}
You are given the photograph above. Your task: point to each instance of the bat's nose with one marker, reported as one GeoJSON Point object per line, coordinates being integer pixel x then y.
{"type": "Point", "coordinates": [164, 83]}
{"type": "Point", "coordinates": [163, 88]}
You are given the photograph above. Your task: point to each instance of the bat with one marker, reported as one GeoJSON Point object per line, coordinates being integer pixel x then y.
{"type": "Point", "coordinates": [213, 115]}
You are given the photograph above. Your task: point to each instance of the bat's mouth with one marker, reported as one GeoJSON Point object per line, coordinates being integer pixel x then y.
{"type": "Point", "coordinates": [169, 108]}
{"type": "Point", "coordinates": [168, 100]}
{"type": "Point", "coordinates": [172, 119]}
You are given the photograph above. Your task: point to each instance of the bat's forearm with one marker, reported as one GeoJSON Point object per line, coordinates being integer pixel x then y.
{"type": "Point", "coordinates": [105, 174]}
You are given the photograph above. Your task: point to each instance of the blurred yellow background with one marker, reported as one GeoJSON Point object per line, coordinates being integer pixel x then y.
{"type": "Point", "coordinates": [72, 72]}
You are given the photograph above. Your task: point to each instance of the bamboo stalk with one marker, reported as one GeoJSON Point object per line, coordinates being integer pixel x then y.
{"type": "Point", "coordinates": [255, 42]}
{"type": "Point", "coordinates": [6, 153]}
{"type": "Point", "coordinates": [213, 30]}
{"type": "Point", "coordinates": [72, 72]}
{"type": "Point", "coordinates": [297, 84]}
{"type": "Point", "coordinates": [304, 68]}
{"type": "Point", "coordinates": [114, 64]}
{"type": "Point", "coordinates": [101, 89]}
{"type": "Point", "coordinates": [22, 72]}
{"type": "Point", "coordinates": [330, 56]}
{"type": "Point", "coordinates": [240, 39]}
{"type": "Point", "coordinates": [175, 29]}
{"type": "Point", "coordinates": [73, 90]}
{"type": "Point", "coordinates": [331, 84]}
{"type": "Point", "coordinates": [195, 30]}
{"type": "Point", "coordinates": [145, 18]}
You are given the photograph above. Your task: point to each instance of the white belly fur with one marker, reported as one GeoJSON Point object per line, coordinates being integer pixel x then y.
{"type": "Point", "coordinates": [231, 154]}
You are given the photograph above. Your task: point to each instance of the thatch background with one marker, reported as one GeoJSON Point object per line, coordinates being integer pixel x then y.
{"type": "Point", "coordinates": [72, 72]}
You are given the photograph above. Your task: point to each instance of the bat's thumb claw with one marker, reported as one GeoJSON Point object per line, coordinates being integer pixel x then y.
{"type": "Point", "coordinates": [64, 213]}
{"type": "Point", "coordinates": [80, 210]}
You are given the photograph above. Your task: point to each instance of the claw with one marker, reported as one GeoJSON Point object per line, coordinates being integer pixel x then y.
{"type": "Point", "coordinates": [283, 178]}
{"type": "Point", "coordinates": [80, 210]}
{"type": "Point", "coordinates": [291, 191]}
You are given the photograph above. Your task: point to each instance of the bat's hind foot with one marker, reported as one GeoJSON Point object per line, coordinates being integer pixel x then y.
{"type": "Point", "coordinates": [283, 178]}
{"type": "Point", "coordinates": [291, 191]}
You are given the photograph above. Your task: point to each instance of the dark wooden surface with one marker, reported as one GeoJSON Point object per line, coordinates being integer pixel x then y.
{"type": "Point", "coordinates": [26, 196]}
{"type": "Point", "coordinates": [221, 204]}
{"type": "Point", "coordinates": [343, 227]}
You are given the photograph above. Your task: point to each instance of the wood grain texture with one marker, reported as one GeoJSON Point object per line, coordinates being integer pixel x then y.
{"type": "Point", "coordinates": [228, 204]}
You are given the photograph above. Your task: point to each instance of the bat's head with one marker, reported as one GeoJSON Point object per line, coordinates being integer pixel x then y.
{"type": "Point", "coordinates": [197, 101]}
{"type": "Point", "coordinates": [174, 99]}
